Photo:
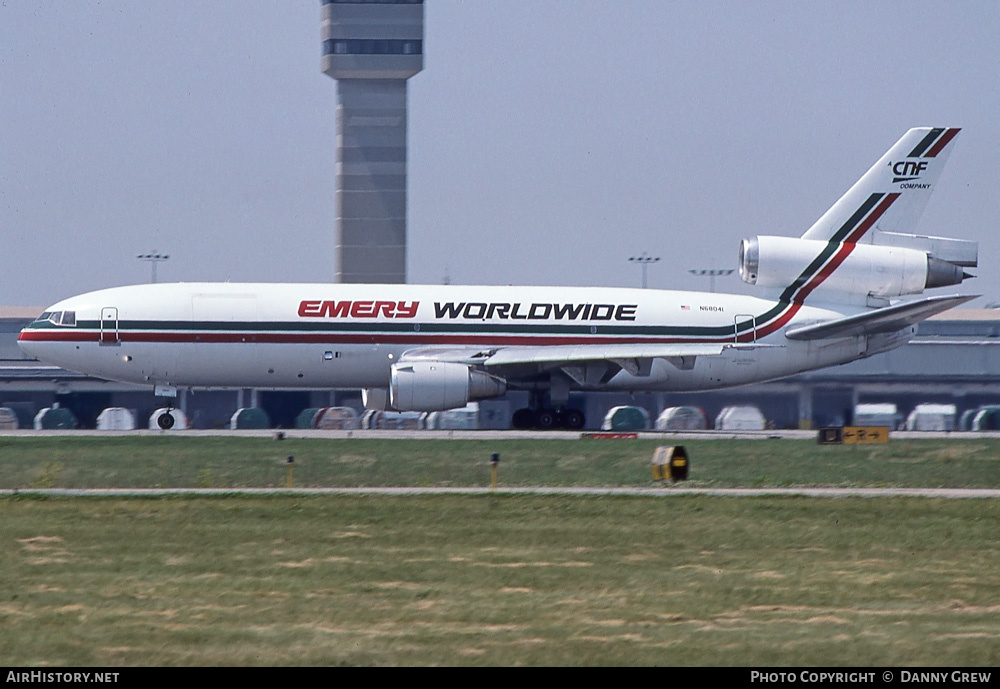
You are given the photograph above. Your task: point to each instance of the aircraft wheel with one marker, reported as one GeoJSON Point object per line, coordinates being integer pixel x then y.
{"type": "Point", "coordinates": [573, 419]}
{"type": "Point", "coordinates": [545, 419]}
{"type": "Point", "coordinates": [524, 419]}
{"type": "Point", "coordinates": [165, 421]}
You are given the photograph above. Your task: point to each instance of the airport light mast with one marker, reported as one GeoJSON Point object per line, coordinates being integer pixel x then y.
{"type": "Point", "coordinates": [153, 259]}
{"type": "Point", "coordinates": [644, 261]}
{"type": "Point", "coordinates": [371, 49]}
{"type": "Point", "coordinates": [712, 273]}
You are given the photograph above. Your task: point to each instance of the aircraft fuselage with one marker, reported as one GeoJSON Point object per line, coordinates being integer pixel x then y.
{"type": "Point", "coordinates": [349, 336]}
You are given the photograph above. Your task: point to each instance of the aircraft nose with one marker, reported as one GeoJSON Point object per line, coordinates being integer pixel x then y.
{"type": "Point", "coordinates": [27, 342]}
{"type": "Point", "coordinates": [35, 338]}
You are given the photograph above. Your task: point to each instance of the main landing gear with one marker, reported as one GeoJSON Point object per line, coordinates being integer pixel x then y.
{"type": "Point", "coordinates": [545, 419]}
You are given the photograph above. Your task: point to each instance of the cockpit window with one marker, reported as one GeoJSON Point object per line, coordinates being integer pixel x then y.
{"type": "Point", "coordinates": [67, 318]}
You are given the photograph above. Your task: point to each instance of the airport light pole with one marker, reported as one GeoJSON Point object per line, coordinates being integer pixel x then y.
{"type": "Point", "coordinates": [644, 261]}
{"type": "Point", "coordinates": [712, 273]}
{"type": "Point", "coordinates": [153, 258]}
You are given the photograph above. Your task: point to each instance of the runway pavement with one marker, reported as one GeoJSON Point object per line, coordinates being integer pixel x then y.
{"type": "Point", "coordinates": [498, 434]}
{"type": "Point", "coordinates": [668, 490]}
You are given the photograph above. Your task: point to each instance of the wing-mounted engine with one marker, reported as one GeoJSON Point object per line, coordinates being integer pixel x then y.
{"type": "Point", "coordinates": [439, 385]}
{"type": "Point", "coordinates": [801, 267]}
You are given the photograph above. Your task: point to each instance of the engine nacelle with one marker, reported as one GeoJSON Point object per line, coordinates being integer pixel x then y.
{"type": "Point", "coordinates": [876, 270]}
{"type": "Point", "coordinates": [437, 385]}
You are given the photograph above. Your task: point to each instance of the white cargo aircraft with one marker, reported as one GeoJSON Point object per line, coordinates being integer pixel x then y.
{"type": "Point", "coordinates": [828, 297]}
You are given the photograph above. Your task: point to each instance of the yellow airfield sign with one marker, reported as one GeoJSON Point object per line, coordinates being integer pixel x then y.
{"type": "Point", "coordinates": [853, 435]}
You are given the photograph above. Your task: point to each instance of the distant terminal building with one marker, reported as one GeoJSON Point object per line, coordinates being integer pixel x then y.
{"type": "Point", "coordinates": [371, 48]}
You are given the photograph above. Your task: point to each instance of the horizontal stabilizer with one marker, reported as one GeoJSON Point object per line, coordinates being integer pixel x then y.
{"type": "Point", "coordinates": [961, 252]}
{"type": "Point", "coordinates": [885, 320]}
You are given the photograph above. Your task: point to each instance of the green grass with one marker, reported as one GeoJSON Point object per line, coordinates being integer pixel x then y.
{"type": "Point", "coordinates": [499, 580]}
{"type": "Point", "coordinates": [495, 579]}
{"type": "Point", "coordinates": [223, 462]}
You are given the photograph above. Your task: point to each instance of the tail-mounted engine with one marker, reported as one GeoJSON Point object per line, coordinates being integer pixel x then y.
{"type": "Point", "coordinates": [439, 385]}
{"type": "Point", "coordinates": [894, 265]}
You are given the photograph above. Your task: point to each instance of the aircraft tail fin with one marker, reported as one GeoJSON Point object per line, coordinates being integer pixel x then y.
{"type": "Point", "coordinates": [891, 196]}
{"type": "Point", "coordinates": [862, 250]}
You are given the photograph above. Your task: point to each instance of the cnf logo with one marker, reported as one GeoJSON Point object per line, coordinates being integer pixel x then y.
{"type": "Point", "coordinates": [909, 168]}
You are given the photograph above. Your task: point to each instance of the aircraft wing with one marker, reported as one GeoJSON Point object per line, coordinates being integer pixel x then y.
{"type": "Point", "coordinates": [885, 320]}
{"type": "Point", "coordinates": [590, 363]}
{"type": "Point", "coordinates": [556, 354]}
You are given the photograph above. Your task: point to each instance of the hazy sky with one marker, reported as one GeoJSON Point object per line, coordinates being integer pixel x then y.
{"type": "Point", "coordinates": [549, 140]}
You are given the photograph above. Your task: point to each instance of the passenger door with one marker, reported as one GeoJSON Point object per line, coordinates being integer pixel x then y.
{"type": "Point", "coordinates": [741, 319]}
{"type": "Point", "coordinates": [109, 326]}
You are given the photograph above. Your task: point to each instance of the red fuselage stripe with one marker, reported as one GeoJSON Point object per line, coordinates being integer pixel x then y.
{"type": "Point", "coordinates": [335, 338]}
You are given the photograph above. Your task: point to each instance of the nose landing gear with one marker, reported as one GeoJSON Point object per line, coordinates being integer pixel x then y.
{"type": "Point", "coordinates": [165, 420]}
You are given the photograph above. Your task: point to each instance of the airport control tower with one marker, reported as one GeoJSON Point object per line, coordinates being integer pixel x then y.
{"type": "Point", "coordinates": [371, 48]}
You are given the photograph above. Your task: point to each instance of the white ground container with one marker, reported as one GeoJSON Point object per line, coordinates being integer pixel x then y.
{"type": "Point", "coordinates": [745, 418]}
{"type": "Point", "coordinates": [337, 419]}
{"type": "Point", "coordinates": [462, 419]}
{"type": "Point", "coordinates": [116, 419]}
{"type": "Point", "coordinates": [877, 414]}
{"type": "Point", "coordinates": [681, 419]}
{"type": "Point", "coordinates": [931, 417]}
